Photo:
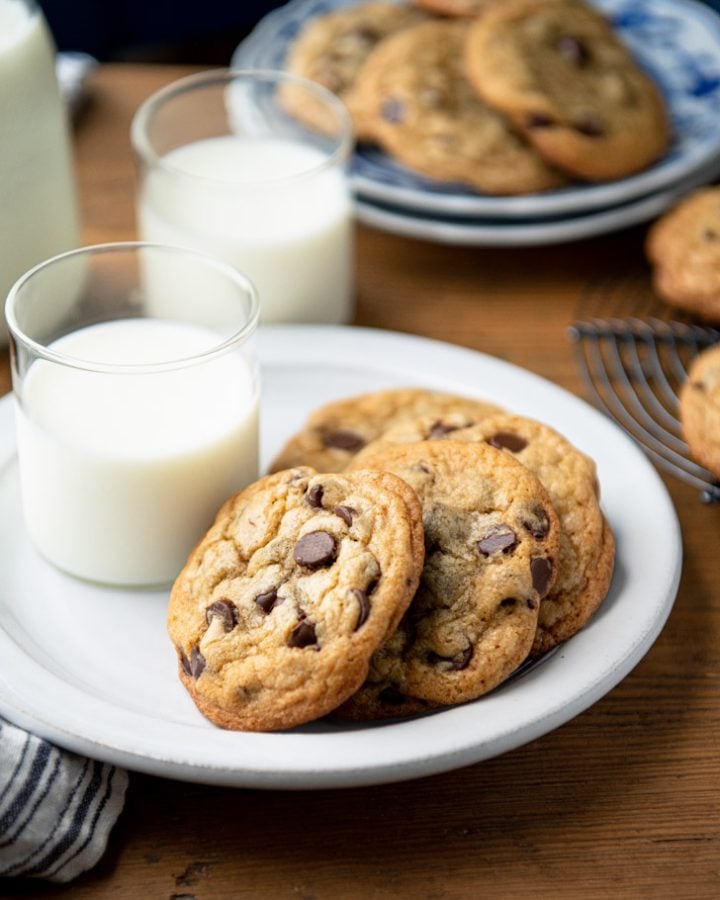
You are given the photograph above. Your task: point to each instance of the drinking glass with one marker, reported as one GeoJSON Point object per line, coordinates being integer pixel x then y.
{"type": "Point", "coordinates": [227, 167]}
{"type": "Point", "coordinates": [136, 386]}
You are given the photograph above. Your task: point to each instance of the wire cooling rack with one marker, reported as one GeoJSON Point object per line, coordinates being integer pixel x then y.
{"type": "Point", "coordinates": [633, 366]}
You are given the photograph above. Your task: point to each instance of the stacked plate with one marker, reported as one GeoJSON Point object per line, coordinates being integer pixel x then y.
{"type": "Point", "coordinates": [677, 41]}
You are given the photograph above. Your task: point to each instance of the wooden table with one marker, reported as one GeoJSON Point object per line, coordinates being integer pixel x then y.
{"type": "Point", "coordinates": [621, 802]}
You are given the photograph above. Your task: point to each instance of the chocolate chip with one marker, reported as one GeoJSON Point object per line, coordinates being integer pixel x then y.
{"type": "Point", "coordinates": [501, 539]}
{"type": "Point", "coordinates": [302, 635]}
{"type": "Point", "coordinates": [343, 440]}
{"type": "Point", "coordinates": [541, 570]}
{"type": "Point", "coordinates": [346, 513]}
{"type": "Point", "coordinates": [184, 662]}
{"type": "Point", "coordinates": [508, 602]}
{"type": "Point", "coordinates": [539, 120]}
{"type": "Point", "coordinates": [314, 496]}
{"type": "Point", "coordinates": [224, 610]}
{"type": "Point", "coordinates": [392, 696]}
{"type": "Point", "coordinates": [364, 605]}
{"type": "Point", "coordinates": [316, 549]}
{"type": "Point", "coordinates": [432, 545]}
{"type": "Point", "coordinates": [269, 600]}
{"type": "Point", "coordinates": [197, 663]}
{"type": "Point", "coordinates": [456, 663]}
{"type": "Point", "coordinates": [531, 603]}
{"type": "Point", "coordinates": [710, 234]}
{"type": "Point", "coordinates": [393, 110]}
{"type": "Point", "coordinates": [541, 526]}
{"type": "Point", "coordinates": [324, 74]}
{"type": "Point", "coordinates": [590, 127]}
{"type": "Point", "coordinates": [507, 440]}
{"type": "Point", "coordinates": [574, 50]}
{"type": "Point", "coordinates": [439, 430]}
{"type": "Point", "coordinates": [366, 33]}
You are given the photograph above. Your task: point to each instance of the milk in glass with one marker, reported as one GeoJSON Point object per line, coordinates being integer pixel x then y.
{"type": "Point", "coordinates": [38, 215]}
{"type": "Point", "coordinates": [122, 473]}
{"type": "Point", "coordinates": [254, 203]}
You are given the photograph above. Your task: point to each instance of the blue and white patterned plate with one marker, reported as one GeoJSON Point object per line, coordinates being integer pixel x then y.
{"type": "Point", "coordinates": [678, 41]}
{"type": "Point", "coordinates": [476, 232]}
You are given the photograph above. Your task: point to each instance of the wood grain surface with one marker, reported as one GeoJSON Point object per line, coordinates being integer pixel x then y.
{"type": "Point", "coordinates": [620, 802]}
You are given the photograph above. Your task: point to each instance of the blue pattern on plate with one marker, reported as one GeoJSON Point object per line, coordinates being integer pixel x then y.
{"type": "Point", "coordinates": [677, 41]}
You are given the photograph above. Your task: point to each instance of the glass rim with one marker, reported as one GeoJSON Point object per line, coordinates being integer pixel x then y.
{"type": "Point", "coordinates": [145, 151]}
{"type": "Point", "coordinates": [224, 346]}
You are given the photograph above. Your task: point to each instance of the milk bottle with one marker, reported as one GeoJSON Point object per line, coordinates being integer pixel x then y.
{"type": "Point", "coordinates": [38, 214]}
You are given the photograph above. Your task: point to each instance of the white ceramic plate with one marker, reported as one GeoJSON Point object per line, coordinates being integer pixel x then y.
{"type": "Point", "coordinates": [495, 233]}
{"type": "Point", "coordinates": [678, 41]}
{"type": "Point", "coordinates": [92, 669]}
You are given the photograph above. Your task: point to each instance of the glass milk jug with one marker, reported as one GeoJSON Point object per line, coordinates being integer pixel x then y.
{"type": "Point", "coordinates": [38, 212]}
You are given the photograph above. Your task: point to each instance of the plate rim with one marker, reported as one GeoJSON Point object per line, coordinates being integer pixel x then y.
{"type": "Point", "coordinates": [465, 203]}
{"type": "Point", "coordinates": [528, 234]}
{"type": "Point", "coordinates": [275, 341]}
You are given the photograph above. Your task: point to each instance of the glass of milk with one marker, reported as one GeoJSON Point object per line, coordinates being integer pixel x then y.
{"type": "Point", "coordinates": [226, 168]}
{"type": "Point", "coordinates": [136, 387]}
{"type": "Point", "coordinates": [38, 211]}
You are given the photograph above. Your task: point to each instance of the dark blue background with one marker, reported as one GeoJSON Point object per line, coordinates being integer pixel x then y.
{"type": "Point", "coordinates": [178, 30]}
{"type": "Point", "coordinates": [202, 31]}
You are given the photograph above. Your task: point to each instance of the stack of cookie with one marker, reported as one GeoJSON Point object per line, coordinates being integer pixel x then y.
{"type": "Point", "coordinates": [508, 97]}
{"type": "Point", "coordinates": [410, 550]}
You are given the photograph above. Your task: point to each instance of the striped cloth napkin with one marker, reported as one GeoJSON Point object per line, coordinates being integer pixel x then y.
{"type": "Point", "coordinates": [56, 809]}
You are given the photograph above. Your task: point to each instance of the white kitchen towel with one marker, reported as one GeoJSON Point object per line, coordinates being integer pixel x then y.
{"type": "Point", "coordinates": [56, 808]}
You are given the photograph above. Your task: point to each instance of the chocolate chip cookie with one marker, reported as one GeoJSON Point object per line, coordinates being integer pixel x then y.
{"type": "Point", "coordinates": [422, 110]}
{"type": "Point", "coordinates": [281, 605]}
{"type": "Point", "coordinates": [684, 248]}
{"type": "Point", "coordinates": [492, 545]}
{"type": "Point", "coordinates": [331, 50]}
{"type": "Point", "coordinates": [563, 76]}
{"type": "Point", "coordinates": [700, 409]}
{"type": "Point", "coordinates": [587, 547]}
{"type": "Point", "coordinates": [335, 433]}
